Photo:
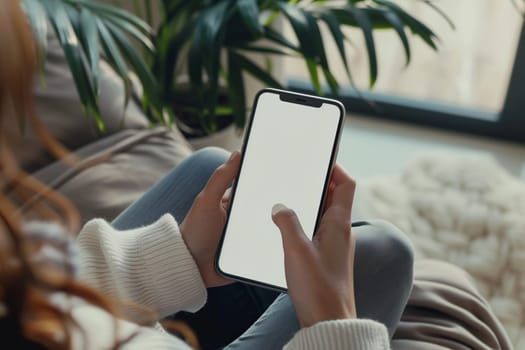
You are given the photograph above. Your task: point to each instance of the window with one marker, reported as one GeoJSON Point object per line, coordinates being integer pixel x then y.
{"type": "Point", "coordinates": [472, 84]}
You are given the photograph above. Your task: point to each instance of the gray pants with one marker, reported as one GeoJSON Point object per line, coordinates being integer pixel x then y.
{"type": "Point", "coordinates": [383, 269]}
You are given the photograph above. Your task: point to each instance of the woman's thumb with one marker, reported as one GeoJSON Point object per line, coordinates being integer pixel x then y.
{"type": "Point", "coordinates": [288, 223]}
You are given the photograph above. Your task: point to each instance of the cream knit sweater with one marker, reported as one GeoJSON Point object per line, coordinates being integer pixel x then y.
{"type": "Point", "coordinates": [151, 266]}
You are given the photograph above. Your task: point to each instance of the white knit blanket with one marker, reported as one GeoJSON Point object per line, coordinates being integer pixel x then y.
{"type": "Point", "coordinates": [465, 209]}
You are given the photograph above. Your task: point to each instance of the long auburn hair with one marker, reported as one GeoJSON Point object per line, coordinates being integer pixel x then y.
{"type": "Point", "coordinates": [28, 319]}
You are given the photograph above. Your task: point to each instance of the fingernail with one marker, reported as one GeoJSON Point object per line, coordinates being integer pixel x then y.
{"type": "Point", "coordinates": [277, 208]}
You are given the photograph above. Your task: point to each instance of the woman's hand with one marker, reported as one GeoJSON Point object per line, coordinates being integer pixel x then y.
{"type": "Point", "coordinates": [202, 227]}
{"type": "Point", "coordinates": [320, 273]}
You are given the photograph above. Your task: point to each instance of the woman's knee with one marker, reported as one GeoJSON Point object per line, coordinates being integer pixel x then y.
{"type": "Point", "coordinates": [390, 249]}
{"type": "Point", "coordinates": [211, 152]}
{"type": "Point", "coordinates": [207, 159]}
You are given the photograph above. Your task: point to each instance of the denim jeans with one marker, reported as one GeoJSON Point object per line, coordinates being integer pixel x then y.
{"type": "Point", "coordinates": [242, 316]}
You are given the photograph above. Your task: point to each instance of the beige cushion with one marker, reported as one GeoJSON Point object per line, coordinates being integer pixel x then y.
{"type": "Point", "coordinates": [446, 311]}
{"type": "Point", "coordinates": [114, 171]}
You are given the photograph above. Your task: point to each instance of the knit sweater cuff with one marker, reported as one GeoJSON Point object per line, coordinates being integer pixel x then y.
{"type": "Point", "coordinates": [150, 266]}
{"type": "Point", "coordinates": [355, 334]}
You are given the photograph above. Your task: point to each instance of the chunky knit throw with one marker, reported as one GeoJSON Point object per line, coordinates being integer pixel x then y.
{"type": "Point", "coordinates": [467, 210]}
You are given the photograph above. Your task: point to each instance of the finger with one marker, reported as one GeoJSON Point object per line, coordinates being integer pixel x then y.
{"type": "Point", "coordinates": [291, 230]}
{"type": "Point", "coordinates": [329, 193]}
{"type": "Point", "coordinates": [343, 193]}
{"type": "Point", "coordinates": [335, 233]}
{"type": "Point", "coordinates": [221, 179]}
{"type": "Point", "coordinates": [339, 174]}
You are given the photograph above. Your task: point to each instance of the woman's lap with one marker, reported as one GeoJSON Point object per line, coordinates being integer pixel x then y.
{"type": "Point", "coordinates": [383, 269]}
{"type": "Point", "coordinates": [383, 281]}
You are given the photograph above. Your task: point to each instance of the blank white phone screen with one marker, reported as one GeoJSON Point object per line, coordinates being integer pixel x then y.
{"type": "Point", "coordinates": [287, 159]}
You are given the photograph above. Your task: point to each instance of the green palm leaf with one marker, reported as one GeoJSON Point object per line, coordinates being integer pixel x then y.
{"type": "Point", "coordinates": [254, 70]}
{"type": "Point", "coordinates": [115, 59]}
{"type": "Point", "coordinates": [128, 27]}
{"type": "Point", "coordinates": [314, 76]}
{"type": "Point", "coordinates": [356, 16]}
{"type": "Point", "coordinates": [307, 32]}
{"type": "Point", "coordinates": [335, 28]}
{"type": "Point", "coordinates": [112, 11]}
{"type": "Point", "coordinates": [279, 39]}
{"type": "Point", "coordinates": [235, 87]}
{"type": "Point", "coordinates": [365, 24]}
{"type": "Point", "coordinates": [152, 96]}
{"type": "Point", "coordinates": [81, 27]}
{"type": "Point", "coordinates": [73, 52]}
{"type": "Point", "coordinates": [416, 26]}
{"type": "Point", "coordinates": [249, 11]}
{"type": "Point", "coordinates": [397, 24]}
{"type": "Point", "coordinates": [204, 52]}
{"type": "Point", "coordinates": [169, 46]}
{"type": "Point", "coordinates": [90, 44]}
{"type": "Point", "coordinates": [263, 50]}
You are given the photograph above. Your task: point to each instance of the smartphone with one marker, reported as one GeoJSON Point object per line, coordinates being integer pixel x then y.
{"type": "Point", "coordinates": [287, 157]}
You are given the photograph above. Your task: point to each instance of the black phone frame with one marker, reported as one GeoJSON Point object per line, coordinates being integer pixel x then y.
{"type": "Point", "coordinates": [292, 97]}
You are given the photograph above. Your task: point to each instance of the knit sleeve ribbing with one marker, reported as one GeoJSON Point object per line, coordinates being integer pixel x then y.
{"type": "Point", "coordinates": [354, 334]}
{"type": "Point", "coordinates": [149, 266]}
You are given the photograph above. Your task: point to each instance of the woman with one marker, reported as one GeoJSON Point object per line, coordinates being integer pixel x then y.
{"type": "Point", "coordinates": [97, 291]}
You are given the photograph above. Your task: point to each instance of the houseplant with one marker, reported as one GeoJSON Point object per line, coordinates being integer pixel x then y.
{"type": "Point", "coordinates": [211, 42]}
{"type": "Point", "coordinates": [88, 31]}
